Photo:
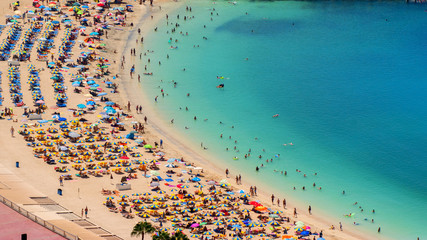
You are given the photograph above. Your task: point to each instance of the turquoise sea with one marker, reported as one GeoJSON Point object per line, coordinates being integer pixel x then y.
{"type": "Point", "coordinates": [348, 80]}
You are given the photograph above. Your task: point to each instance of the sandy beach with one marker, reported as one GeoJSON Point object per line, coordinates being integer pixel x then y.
{"type": "Point", "coordinates": [108, 149]}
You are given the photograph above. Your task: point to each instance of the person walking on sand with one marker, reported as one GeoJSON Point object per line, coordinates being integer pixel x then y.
{"type": "Point", "coordinates": [86, 210]}
{"type": "Point", "coordinates": [295, 213]}
{"type": "Point", "coordinates": [226, 172]}
{"type": "Point", "coordinates": [309, 209]}
{"type": "Point", "coordinates": [12, 131]}
{"type": "Point", "coordinates": [284, 203]}
{"type": "Point", "coordinates": [272, 199]}
{"type": "Point", "coordinates": [61, 181]}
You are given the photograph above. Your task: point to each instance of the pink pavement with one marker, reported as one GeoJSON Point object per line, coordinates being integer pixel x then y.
{"type": "Point", "coordinates": [14, 224]}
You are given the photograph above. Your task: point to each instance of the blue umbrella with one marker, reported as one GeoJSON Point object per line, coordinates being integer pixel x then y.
{"type": "Point", "coordinates": [61, 119]}
{"type": "Point", "coordinates": [108, 83]}
{"type": "Point", "coordinates": [196, 179]}
{"type": "Point", "coordinates": [110, 111]}
{"type": "Point", "coordinates": [109, 103]}
{"type": "Point", "coordinates": [91, 103]}
{"type": "Point", "coordinates": [305, 233]}
{"type": "Point", "coordinates": [81, 106]}
{"type": "Point", "coordinates": [94, 34]}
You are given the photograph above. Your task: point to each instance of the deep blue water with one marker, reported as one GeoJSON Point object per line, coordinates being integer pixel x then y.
{"type": "Point", "coordinates": [348, 79]}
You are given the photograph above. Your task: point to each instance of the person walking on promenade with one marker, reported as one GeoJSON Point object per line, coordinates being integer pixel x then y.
{"type": "Point", "coordinates": [86, 210]}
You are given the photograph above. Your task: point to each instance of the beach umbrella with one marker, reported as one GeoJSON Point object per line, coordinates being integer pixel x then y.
{"type": "Point", "coordinates": [109, 198]}
{"type": "Point", "coordinates": [195, 236]}
{"type": "Point", "coordinates": [210, 199]}
{"type": "Point", "coordinates": [164, 229]}
{"type": "Point", "coordinates": [124, 196]}
{"type": "Point", "coordinates": [274, 223]}
{"type": "Point", "coordinates": [175, 220]}
{"type": "Point", "coordinates": [231, 220]}
{"type": "Point", "coordinates": [144, 215]}
{"type": "Point", "coordinates": [227, 197]}
{"type": "Point", "coordinates": [262, 224]}
{"type": "Point", "coordinates": [186, 219]}
{"type": "Point", "coordinates": [185, 210]}
{"type": "Point", "coordinates": [252, 224]}
{"type": "Point", "coordinates": [148, 146]}
{"type": "Point", "coordinates": [212, 207]}
{"type": "Point", "coordinates": [299, 224]}
{"type": "Point", "coordinates": [263, 235]}
{"type": "Point", "coordinates": [236, 238]}
{"type": "Point", "coordinates": [197, 218]}
{"type": "Point", "coordinates": [218, 222]}
{"type": "Point", "coordinates": [73, 135]}
{"type": "Point", "coordinates": [178, 229]}
{"type": "Point", "coordinates": [147, 194]}
{"type": "Point", "coordinates": [154, 206]}
{"type": "Point", "coordinates": [208, 233]}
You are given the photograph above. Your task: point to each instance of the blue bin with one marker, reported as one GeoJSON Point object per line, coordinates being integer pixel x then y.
{"type": "Point", "coordinates": [17, 164]}
{"type": "Point", "coordinates": [59, 191]}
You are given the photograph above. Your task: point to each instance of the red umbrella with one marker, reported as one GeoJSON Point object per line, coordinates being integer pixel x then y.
{"type": "Point", "coordinates": [124, 157]}
{"type": "Point", "coordinates": [100, 4]}
{"type": "Point", "coordinates": [256, 204]}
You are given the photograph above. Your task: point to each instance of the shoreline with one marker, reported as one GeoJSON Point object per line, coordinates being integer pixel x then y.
{"type": "Point", "coordinates": [158, 128]}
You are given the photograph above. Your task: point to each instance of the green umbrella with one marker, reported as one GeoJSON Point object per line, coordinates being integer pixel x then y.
{"type": "Point", "coordinates": [148, 146]}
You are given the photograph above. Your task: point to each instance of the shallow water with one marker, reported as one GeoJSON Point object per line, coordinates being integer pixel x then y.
{"type": "Point", "coordinates": [348, 80]}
